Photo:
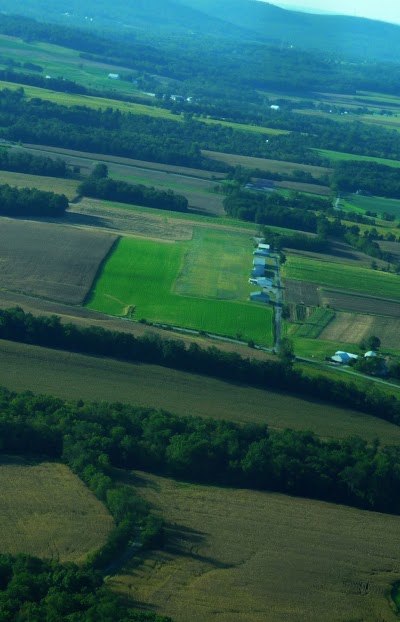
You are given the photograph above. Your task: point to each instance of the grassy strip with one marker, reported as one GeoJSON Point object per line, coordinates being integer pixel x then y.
{"type": "Point", "coordinates": [313, 327]}
{"type": "Point", "coordinates": [336, 156]}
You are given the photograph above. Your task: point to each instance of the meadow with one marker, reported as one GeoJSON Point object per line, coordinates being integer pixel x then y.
{"type": "Point", "coordinates": [71, 376]}
{"type": "Point", "coordinates": [48, 512]}
{"type": "Point", "coordinates": [354, 327]}
{"type": "Point", "coordinates": [49, 184]}
{"type": "Point", "coordinates": [245, 556]}
{"type": "Point", "coordinates": [376, 204]}
{"type": "Point", "coordinates": [139, 280]}
{"type": "Point", "coordinates": [336, 156]}
{"type": "Point", "coordinates": [50, 260]}
{"type": "Point", "coordinates": [316, 323]}
{"type": "Point", "coordinates": [326, 273]}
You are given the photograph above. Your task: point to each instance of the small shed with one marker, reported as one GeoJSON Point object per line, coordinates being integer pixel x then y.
{"type": "Point", "coordinates": [264, 247]}
{"type": "Point", "coordinates": [113, 76]}
{"type": "Point", "coordinates": [257, 272]}
{"type": "Point", "coordinates": [261, 253]}
{"type": "Point", "coordinates": [370, 354]}
{"type": "Point", "coordinates": [259, 297]}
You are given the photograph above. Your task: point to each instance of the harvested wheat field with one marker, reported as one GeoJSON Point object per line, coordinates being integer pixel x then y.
{"type": "Point", "coordinates": [50, 260]}
{"type": "Point", "coordinates": [245, 556]}
{"type": "Point", "coordinates": [353, 327]}
{"type": "Point", "coordinates": [97, 213]}
{"type": "Point", "coordinates": [73, 376]}
{"type": "Point", "coordinates": [47, 511]}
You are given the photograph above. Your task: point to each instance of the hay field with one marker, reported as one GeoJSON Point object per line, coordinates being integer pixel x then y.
{"type": "Point", "coordinates": [139, 279]}
{"type": "Point", "coordinates": [75, 376]}
{"type": "Point", "coordinates": [275, 166]}
{"type": "Point", "coordinates": [50, 260]}
{"type": "Point", "coordinates": [49, 184]}
{"type": "Point", "coordinates": [216, 265]}
{"type": "Point", "coordinates": [336, 156]}
{"type": "Point", "coordinates": [347, 277]}
{"type": "Point", "coordinates": [245, 556]}
{"type": "Point", "coordinates": [376, 204]}
{"type": "Point", "coordinates": [353, 327]}
{"type": "Point", "coordinates": [47, 511]}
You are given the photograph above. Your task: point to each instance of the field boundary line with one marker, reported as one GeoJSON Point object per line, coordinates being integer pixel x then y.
{"type": "Point", "coordinates": [99, 271]}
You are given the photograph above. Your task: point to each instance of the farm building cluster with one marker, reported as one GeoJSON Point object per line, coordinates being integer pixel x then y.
{"type": "Point", "coordinates": [257, 276]}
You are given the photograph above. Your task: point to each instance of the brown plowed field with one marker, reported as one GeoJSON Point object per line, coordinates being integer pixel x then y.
{"type": "Point", "coordinates": [353, 327]}
{"type": "Point", "coordinates": [50, 260]}
{"type": "Point", "coordinates": [343, 301]}
{"type": "Point", "coordinates": [246, 556]}
{"type": "Point", "coordinates": [301, 292]}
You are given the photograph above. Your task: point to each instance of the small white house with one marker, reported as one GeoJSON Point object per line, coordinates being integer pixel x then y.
{"type": "Point", "coordinates": [343, 357]}
{"type": "Point", "coordinates": [264, 247]}
{"type": "Point", "coordinates": [274, 107]}
{"type": "Point", "coordinates": [113, 76]}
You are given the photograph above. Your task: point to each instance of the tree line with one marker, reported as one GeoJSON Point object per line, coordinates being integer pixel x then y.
{"type": "Point", "coordinates": [123, 192]}
{"type": "Point", "coordinates": [26, 202]}
{"type": "Point", "coordinates": [11, 160]}
{"type": "Point", "coordinates": [368, 177]}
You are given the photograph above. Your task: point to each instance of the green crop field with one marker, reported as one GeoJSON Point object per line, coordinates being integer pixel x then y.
{"type": "Point", "coordinates": [316, 323]}
{"type": "Point", "coordinates": [376, 204]}
{"type": "Point", "coordinates": [328, 274]}
{"type": "Point", "coordinates": [49, 184]}
{"type": "Point", "coordinates": [140, 278]}
{"type": "Point", "coordinates": [336, 156]}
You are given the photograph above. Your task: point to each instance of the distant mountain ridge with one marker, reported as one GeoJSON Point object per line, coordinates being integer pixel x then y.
{"type": "Point", "coordinates": [243, 20]}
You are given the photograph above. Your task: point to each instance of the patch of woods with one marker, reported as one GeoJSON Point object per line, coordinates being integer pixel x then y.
{"type": "Point", "coordinates": [367, 177]}
{"type": "Point", "coordinates": [46, 591]}
{"type": "Point", "coordinates": [32, 164]}
{"type": "Point", "coordinates": [26, 202]}
{"type": "Point", "coordinates": [100, 186]}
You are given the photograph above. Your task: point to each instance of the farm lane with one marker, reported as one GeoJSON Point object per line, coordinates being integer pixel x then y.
{"type": "Point", "coordinates": [278, 307]}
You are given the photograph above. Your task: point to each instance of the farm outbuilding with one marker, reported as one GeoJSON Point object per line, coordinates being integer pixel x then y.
{"type": "Point", "coordinates": [261, 253]}
{"type": "Point", "coordinates": [113, 76]}
{"type": "Point", "coordinates": [370, 354]}
{"type": "Point", "coordinates": [257, 272]}
{"type": "Point", "coordinates": [259, 297]}
{"type": "Point", "coordinates": [259, 261]}
{"type": "Point", "coordinates": [264, 247]}
{"type": "Point", "coordinates": [343, 357]}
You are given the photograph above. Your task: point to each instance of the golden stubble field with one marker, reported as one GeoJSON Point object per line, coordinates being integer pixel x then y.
{"type": "Point", "coordinates": [50, 260]}
{"type": "Point", "coordinates": [74, 376]}
{"type": "Point", "coordinates": [48, 512]}
{"type": "Point", "coordinates": [245, 556]}
{"type": "Point", "coordinates": [353, 327]}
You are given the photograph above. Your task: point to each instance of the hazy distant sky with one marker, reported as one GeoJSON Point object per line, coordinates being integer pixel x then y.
{"type": "Point", "coordinates": [384, 10]}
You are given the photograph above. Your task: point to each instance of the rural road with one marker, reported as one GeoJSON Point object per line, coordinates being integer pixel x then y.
{"type": "Point", "coordinates": [278, 307]}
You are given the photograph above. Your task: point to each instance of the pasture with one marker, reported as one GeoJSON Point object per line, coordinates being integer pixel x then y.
{"type": "Point", "coordinates": [336, 156]}
{"type": "Point", "coordinates": [139, 279]}
{"type": "Point", "coordinates": [75, 376]}
{"type": "Point", "coordinates": [48, 184]}
{"type": "Point", "coordinates": [48, 512]}
{"type": "Point", "coordinates": [314, 325]}
{"type": "Point", "coordinates": [347, 277]}
{"type": "Point", "coordinates": [376, 204]}
{"type": "Point", "coordinates": [353, 327]}
{"type": "Point", "coordinates": [50, 260]}
{"type": "Point", "coordinates": [246, 556]}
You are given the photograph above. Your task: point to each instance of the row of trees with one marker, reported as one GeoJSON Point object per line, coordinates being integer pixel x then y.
{"type": "Point", "coordinates": [123, 192]}
{"type": "Point", "coordinates": [26, 202]}
{"type": "Point", "coordinates": [18, 162]}
{"type": "Point", "coordinates": [369, 177]}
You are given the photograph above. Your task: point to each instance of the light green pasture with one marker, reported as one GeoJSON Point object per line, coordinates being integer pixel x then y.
{"type": "Point", "coordinates": [336, 156]}
{"type": "Point", "coordinates": [142, 274]}
{"type": "Point", "coordinates": [342, 276]}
